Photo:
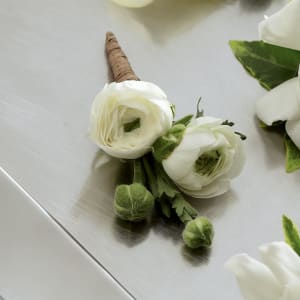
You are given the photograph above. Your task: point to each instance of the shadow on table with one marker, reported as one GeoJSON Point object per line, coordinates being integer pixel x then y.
{"type": "Point", "coordinates": [95, 200]}
{"type": "Point", "coordinates": [255, 5]}
{"type": "Point", "coordinates": [165, 19]}
{"type": "Point", "coordinates": [130, 234]}
{"type": "Point", "coordinates": [96, 203]}
{"type": "Point", "coordinates": [196, 257]}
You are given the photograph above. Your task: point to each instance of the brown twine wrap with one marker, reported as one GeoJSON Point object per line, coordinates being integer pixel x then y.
{"type": "Point", "coordinates": [117, 60]}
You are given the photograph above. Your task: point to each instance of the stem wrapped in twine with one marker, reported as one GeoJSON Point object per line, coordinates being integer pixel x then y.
{"type": "Point", "coordinates": [117, 60]}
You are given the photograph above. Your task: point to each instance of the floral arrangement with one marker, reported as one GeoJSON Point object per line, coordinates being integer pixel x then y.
{"type": "Point", "coordinates": [274, 62]}
{"type": "Point", "coordinates": [196, 155]}
{"type": "Point", "coordinates": [277, 277]}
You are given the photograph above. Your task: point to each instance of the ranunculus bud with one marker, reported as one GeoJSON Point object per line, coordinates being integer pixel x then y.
{"type": "Point", "coordinates": [198, 233]}
{"type": "Point", "coordinates": [133, 202]}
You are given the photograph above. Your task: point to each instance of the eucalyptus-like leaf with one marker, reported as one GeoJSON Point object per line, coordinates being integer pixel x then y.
{"type": "Point", "coordinates": [271, 65]}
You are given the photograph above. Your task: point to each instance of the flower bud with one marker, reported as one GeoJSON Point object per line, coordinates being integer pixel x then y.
{"type": "Point", "coordinates": [198, 233]}
{"type": "Point", "coordinates": [133, 202]}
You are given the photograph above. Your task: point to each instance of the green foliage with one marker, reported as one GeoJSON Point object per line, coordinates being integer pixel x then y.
{"type": "Point", "coordinates": [291, 233]}
{"type": "Point", "coordinates": [292, 155]}
{"type": "Point", "coordinates": [271, 65]}
{"type": "Point", "coordinates": [166, 192]}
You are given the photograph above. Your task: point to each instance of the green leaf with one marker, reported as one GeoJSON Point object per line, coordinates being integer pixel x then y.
{"type": "Point", "coordinates": [164, 184]}
{"type": "Point", "coordinates": [292, 160]}
{"type": "Point", "coordinates": [132, 125]}
{"type": "Point", "coordinates": [184, 121]}
{"type": "Point", "coordinates": [183, 209]}
{"type": "Point", "coordinates": [271, 65]}
{"type": "Point", "coordinates": [291, 232]}
{"type": "Point", "coordinates": [164, 145]}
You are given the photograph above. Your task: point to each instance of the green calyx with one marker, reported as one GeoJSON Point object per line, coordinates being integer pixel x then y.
{"type": "Point", "coordinates": [207, 162]}
{"type": "Point", "coordinates": [165, 144]}
{"type": "Point", "coordinates": [198, 233]}
{"type": "Point", "coordinates": [133, 202]}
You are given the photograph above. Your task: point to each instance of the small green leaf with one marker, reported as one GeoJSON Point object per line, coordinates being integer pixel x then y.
{"type": "Point", "coordinates": [135, 124]}
{"type": "Point", "coordinates": [185, 120]}
{"type": "Point", "coordinates": [292, 155]}
{"type": "Point", "coordinates": [271, 65]}
{"type": "Point", "coordinates": [164, 184]}
{"type": "Point", "coordinates": [291, 232]}
{"type": "Point", "coordinates": [164, 145]}
{"type": "Point", "coordinates": [183, 209]}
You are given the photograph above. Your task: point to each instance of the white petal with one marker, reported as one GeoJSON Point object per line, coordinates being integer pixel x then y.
{"type": "Point", "coordinates": [133, 3]}
{"type": "Point", "coordinates": [181, 161]}
{"type": "Point", "coordinates": [293, 130]}
{"type": "Point", "coordinates": [216, 188]}
{"type": "Point", "coordinates": [283, 28]}
{"type": "Point", "coordinates": [256, 281]}
{"type": "Point", "coordinates": [292, 291]}
{"type": "Point", "coordinates": [282, 261]}
{"type": "Point", "coordinates": [279, 104]}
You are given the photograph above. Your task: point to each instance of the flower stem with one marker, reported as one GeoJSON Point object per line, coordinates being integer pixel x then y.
{"type": "Point", "coordinates": [138, 172]}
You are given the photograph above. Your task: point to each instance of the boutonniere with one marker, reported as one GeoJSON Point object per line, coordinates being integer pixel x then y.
{"type": "Point", "coordinates": [274, 62]}
{"type": "Point", "coordinates": [277, 276]}
{"type": "Point", "coordinates": [196, 155]}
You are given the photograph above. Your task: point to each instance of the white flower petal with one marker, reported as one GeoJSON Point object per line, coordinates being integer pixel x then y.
{"type": "Point", "coordinates": [133, 3]}
{"type": "Point", "coordinates": [216, 188]}
{"type": "Point", "coordinates": [279, 104]}
{"type": "Point", "coordinates": [282, 261]}
{"type": "Point", "coordinates": [120, 103]}
{"type": "Point", "coordinates": [292, 291]}
{"type": "Point", "coordinates": [283, 28]}
{"type": "Point", "coordinates": [256, 281]}
{"type": "Point", "coordinates": [205, 135]}
{"type": "Point", "coordinates": [293, 130]}
{"type": "Point", "coordinates": [181, 162]}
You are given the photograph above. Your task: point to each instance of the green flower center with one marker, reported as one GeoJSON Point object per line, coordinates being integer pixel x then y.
{"type": "Point", "coordinates": [130, 126]}
{"type": "Point", "coordinates": [207, 162]}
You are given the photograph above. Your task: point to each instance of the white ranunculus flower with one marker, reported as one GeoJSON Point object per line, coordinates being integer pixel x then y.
{"type": "Point", "coordinates": [282, 104]}
{"type": "Point", "coordinates": [276, 278]}
{"type": "Point", "coordinates": [133, 3]}
{"type": "Point", "coordinates": [282, 29]}
{"type": "Point", "coordinates": [127, 117]}
{"type": "Point", "coordinates": [208, 157]}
